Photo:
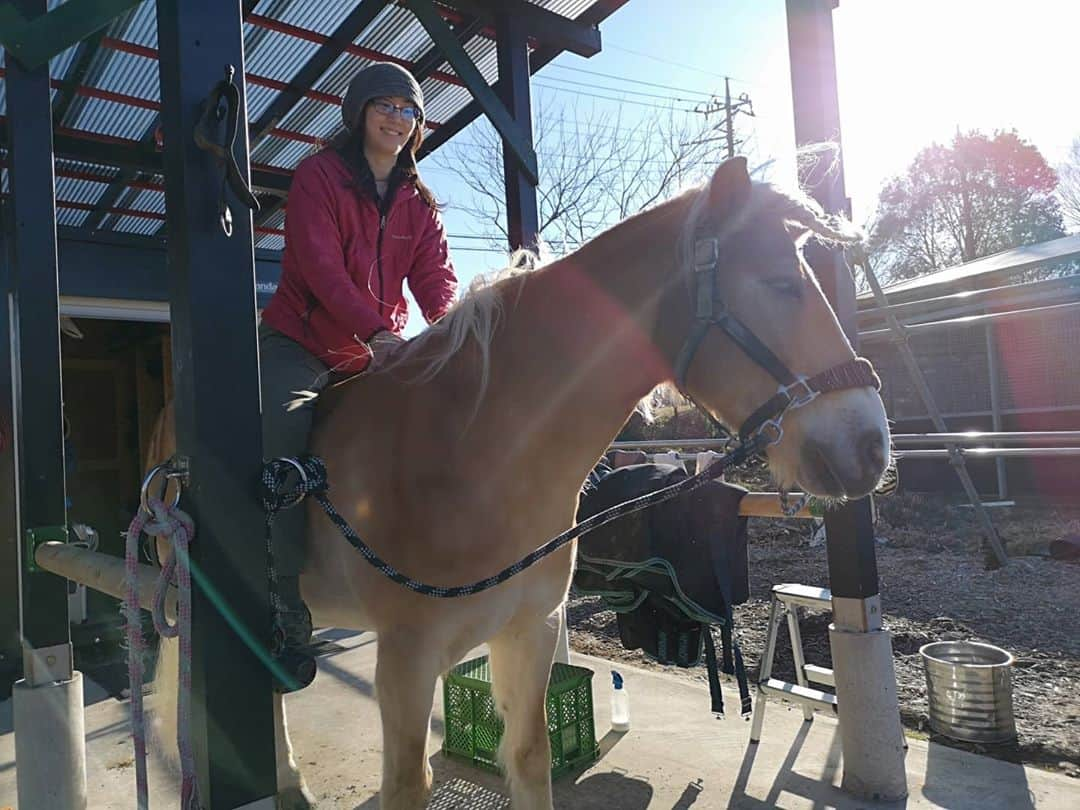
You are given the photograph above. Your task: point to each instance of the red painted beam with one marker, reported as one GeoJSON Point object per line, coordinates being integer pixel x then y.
{"type": "Point", "coordinates": [356, 50]}
{"type": "Point", "coordinates": [265, 81]}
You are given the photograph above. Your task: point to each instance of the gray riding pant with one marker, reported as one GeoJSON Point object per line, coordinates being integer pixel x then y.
{"type": "Point", "coordinates": [287, 367]}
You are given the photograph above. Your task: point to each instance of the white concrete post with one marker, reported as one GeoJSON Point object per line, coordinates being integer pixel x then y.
{"type": "Point", "coordinates": [50, 749]}
{"type": "Point", "coordinates": [871, 737]}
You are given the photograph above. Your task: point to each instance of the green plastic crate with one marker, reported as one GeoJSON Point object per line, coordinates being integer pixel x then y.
{"type": "Point", "coordinates": [474, 728]}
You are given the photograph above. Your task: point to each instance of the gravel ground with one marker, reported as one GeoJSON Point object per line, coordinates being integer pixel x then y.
{"type": "Point", "coordinates": [935, 585]}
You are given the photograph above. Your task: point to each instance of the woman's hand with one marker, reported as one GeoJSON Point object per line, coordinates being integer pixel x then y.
{"type": "Point", "coordinates": [383, 344]}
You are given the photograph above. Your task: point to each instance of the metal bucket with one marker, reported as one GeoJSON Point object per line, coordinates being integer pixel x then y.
{"type": "Point", "coordinates": [969, 688]}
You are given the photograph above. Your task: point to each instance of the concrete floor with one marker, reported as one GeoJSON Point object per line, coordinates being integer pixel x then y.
{"type": "Point", "coordinates": [675, 757]}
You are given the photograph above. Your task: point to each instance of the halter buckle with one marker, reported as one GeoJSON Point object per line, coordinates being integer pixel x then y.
{"type": "Point", "coordinates": [706, 260]}
{"type": "Point", "coordinates": [799, 393]}
{"type": "Point", "coordinates": [771, 431]}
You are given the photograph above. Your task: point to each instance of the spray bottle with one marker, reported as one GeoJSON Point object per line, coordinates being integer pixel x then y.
{"type": "Point", "coordinates": [620, 704]}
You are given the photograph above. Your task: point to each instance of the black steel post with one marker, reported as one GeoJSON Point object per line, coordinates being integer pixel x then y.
{"type": "Point", "coordinates": [849, 531]}
{"type": "Point", "coordinates": [35, 330]}
{"type": "Point", "coordinates": [216, 373]}
{"type": "Point", "coordinates": [522, 218]}
{"type": "Point", "coordinates": [10, 648]}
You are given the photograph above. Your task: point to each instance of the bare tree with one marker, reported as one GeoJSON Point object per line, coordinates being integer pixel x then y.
{"type": "Point", "coordinates": [596, 168]}
{"type": "Point", "coordinates": [1069, 185]}
{"type": "Point", "coordinates": [961, 201]}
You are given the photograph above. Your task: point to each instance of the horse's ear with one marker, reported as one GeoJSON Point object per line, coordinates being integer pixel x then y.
{"type": "Point", "coordinates": [729, 187]}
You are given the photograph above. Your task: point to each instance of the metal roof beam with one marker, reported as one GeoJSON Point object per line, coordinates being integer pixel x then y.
{"type": "Point", "coordinates": [430, 61]}
{"type": "Point", "coordinates": [75, 76]}
{"type": "Point", "coordinates": [316, 66]}
{"type": "Point", "coordinates": [33, 42]}
{"type": "Point", "coordinates": [485, 96]}
{"type": "Point", "coordinates": [544, 26]}
{"type": "Point", "coordinates": [129, 155]}
{"type": "Point", "coordinates": [594, 15]}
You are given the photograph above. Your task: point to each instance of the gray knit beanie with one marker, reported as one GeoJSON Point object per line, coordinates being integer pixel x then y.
{"type": "Point", "coordinates": [379, 80]}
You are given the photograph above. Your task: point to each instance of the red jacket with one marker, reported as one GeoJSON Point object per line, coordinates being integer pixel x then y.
{"type": "Point", "coordinates": [344, 264]}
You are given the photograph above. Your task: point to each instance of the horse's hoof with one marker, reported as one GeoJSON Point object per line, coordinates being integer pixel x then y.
{"type": "Point", "coordinates": [295, 798]}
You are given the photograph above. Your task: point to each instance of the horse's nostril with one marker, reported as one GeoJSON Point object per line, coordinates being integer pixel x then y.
{"type": "Point", "coordinates": [871, 449]}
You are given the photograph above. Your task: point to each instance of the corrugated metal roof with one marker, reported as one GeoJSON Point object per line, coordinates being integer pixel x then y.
{"type": "Point", "coordinates": [120, 90]}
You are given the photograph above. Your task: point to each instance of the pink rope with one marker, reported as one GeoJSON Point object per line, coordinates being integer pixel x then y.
{"type": "Point", "coordinates": [175, 525]}
{"type": "Point", "coordinates": [136, 648]}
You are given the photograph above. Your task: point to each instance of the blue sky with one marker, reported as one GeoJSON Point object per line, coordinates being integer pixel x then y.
{"type": "Point", "coordinates": [911, 71]}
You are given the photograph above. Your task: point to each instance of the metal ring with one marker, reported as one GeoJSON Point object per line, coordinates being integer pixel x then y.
{"type": "Point", "coordinates": [169, 473]}
{"type": "Point", "coordinates": [804, 397]}
{"type": "Point", "coordinates": [777, 428]}
{"type": "Point", "coordinates": [292, 462]}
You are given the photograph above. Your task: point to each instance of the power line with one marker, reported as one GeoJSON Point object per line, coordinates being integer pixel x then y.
{"type": "Point", "coordinates": [629, 92]}
{"type": "Point", "coordinates": [611, 98]}
{"type": "Point", "coordinates": [485, 149]}
{"type": "Point", "coordinates": [671, 62]}
{"type": "Point", "coordinates": [629, 80]}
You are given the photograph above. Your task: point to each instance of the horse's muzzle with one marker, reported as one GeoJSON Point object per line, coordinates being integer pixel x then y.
{"type": "Point", "coordinates": [825, 472]}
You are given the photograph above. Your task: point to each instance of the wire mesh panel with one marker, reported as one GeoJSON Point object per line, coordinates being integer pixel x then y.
{"type": "Point", "coordinates": [1039, 367]}
{"type": "Point", "coordinates": [1040, 361]}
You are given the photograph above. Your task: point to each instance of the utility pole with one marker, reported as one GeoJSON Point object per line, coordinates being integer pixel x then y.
{"type": "Point", "coordinates": [729, 118]}
{"type": "Point", "coordinates": [730, 109]}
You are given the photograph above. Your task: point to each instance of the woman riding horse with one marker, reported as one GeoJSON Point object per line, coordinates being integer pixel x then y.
{"type": "Point", "coordinates": [491, 419]}
{"type": "Point", "coordinates": [360, 222]}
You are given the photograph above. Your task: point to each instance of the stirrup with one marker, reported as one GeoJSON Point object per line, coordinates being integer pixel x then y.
{"type": "Point", "coordinates": [294, 670]}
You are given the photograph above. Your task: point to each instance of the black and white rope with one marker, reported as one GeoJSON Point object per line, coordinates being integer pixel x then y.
{"type": "Point", "coordinates": [313, 481]}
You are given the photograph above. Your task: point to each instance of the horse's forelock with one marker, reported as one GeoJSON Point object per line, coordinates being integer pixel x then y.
{"type": "Point", "coordinates": [795, 209]}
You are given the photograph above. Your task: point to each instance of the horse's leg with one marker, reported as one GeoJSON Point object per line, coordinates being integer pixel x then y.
{"type": "Point", "coordinates": [405, 677]}
{"type": "Point", "coordinates": [520, 666]}
{"type": "Point", "coordinates": [293, 794]}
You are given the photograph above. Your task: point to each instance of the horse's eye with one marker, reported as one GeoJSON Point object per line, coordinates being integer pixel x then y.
{"type": "Point", "coordinates": [791, 287]}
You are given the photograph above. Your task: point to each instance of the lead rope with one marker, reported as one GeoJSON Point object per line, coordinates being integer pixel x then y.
{"type": "Point", "coordinates": [313, 482]}
{"type": "Point", "coordinates": [176, 526]}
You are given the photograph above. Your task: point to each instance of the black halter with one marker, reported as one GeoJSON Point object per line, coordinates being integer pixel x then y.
{"type": "Point", "coordinates": [766, 422]}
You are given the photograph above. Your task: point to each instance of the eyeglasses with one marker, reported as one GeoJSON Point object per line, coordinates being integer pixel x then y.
{"type": "Point", "coordinates": [407, 113]}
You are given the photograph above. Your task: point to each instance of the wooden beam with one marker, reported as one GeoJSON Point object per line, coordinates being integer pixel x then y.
{"type": "Point", "coordinates": [767, 505]}
{"type": "Point", "coordinates": [102, 572]}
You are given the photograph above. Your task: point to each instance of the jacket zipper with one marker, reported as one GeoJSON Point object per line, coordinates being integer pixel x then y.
{"type": "Point", "coordinates": [378, 257]}
{"type": "Point", "coordinates": [384, 209]}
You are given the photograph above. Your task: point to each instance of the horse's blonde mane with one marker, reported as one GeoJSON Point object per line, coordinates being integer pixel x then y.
{"type": "Point", "coordinates": [476, 315]}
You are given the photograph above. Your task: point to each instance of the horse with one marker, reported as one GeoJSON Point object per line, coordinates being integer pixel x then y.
{"type": "Point", "coordinates": [469, 448]}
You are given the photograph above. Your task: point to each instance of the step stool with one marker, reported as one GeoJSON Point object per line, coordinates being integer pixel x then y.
{"type": "Point", "coordinates": [785, 600]}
